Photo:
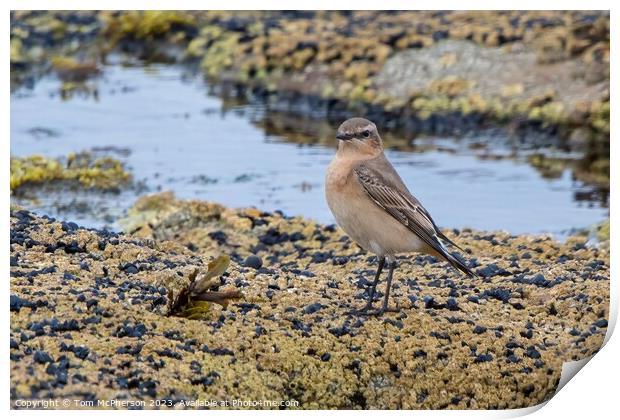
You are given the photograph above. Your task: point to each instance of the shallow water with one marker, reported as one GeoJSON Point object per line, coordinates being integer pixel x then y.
{"type": "Point", "coordinates": [174, 136]}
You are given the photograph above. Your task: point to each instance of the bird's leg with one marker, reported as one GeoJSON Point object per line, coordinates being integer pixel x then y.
{"type": "Point", "coordinates": [388, 286]}
{"type": "Point", "coordinates": [373, 287]}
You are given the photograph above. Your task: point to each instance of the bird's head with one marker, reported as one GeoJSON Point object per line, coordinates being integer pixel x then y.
{"type": "Point", "coordinates": [359, 135]}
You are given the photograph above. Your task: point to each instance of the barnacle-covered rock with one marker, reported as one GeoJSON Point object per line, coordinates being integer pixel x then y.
{"type": "Point", "coordinates": [87, 170]}
{"type": "Point", "coordinates": [364, 61]}
{"type": "Point", "coordinates": [90, 313]}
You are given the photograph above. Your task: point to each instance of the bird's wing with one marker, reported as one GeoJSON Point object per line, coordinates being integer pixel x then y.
{"type": "Point", "coordinates": [386, 189]}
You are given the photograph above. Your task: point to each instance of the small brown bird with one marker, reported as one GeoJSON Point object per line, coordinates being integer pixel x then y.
{"type": "Point", "coordinates": [374, 207]}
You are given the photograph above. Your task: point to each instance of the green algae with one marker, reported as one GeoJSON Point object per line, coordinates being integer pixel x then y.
{"type": "Point", "coordinates": [603, 231]}
{"type": "Point", "coordinates": [104, 172]}
{"type": "Point", "coordinates": [195, 310]}
{"type": "Point", "coordinates": [220, 55]}
{"type": "Point", "coordinates": [146, 25]}
{"type": "Point", "coordinates": [16, 50]}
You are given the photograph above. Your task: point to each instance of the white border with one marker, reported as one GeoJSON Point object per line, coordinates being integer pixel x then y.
{"type": "Point", "coordinates": [310, 5]}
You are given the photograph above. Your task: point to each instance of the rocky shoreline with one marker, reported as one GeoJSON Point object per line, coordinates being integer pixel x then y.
{"type": "Point", "coordinates": [415, 72]}
{"type": "Point", "coordinates": [83, 169]}
{"type": "Point", "coordinates": [91, 313]}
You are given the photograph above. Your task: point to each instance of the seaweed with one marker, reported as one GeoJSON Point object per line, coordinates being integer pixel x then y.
{"type": "Point", "coordinates": [194, 301]}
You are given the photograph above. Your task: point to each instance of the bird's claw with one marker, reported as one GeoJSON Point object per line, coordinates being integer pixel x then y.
{"type": "Point", "coordinates": [383, 310]}
{"type": "Point", "coordinates": [366, 311]}
{"type": "Point", "coordinates": [362, 311]}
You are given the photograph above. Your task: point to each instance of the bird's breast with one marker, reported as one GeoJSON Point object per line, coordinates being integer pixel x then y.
{"type": "Point", "coordinates": [361, 218]}
{"type": "Point", "coordinates": [339, 185]}
{"type": "Point", "coordinates": [347, 201]}
{"type": "Point", "coordinates": [337, 174]}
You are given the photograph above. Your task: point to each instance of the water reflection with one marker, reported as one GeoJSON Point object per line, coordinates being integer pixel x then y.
{"type": "Point", "coordinates": [175, 136]}
{"type": "Point", "coordinates": [493, 144]}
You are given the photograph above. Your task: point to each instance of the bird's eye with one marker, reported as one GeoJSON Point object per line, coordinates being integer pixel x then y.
{"type": "Point", "coordinates": [366, 133]}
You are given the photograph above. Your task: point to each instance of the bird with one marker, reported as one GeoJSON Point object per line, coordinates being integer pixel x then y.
{"type": "Point", "coordinates": [374, 207]}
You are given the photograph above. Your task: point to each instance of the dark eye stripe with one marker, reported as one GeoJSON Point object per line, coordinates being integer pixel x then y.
{"type": "Point", "coordinates": [361, 134]}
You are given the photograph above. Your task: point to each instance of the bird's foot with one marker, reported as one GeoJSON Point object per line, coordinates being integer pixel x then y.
{"type": "Point", "coordinates": [369, 311]}
{"type": "Point", "coordinates": [361, 311]}
{"type": "Point", "coordinates": [383, 310]}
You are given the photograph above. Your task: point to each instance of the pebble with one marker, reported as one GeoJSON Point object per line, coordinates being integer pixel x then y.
{"type": "Point", "coordinates": [130, 268]}
{"type": "Point", "coordinates": [478, 329]}
{"type": "Point", "coordinates": [312, 308]}
{"type": "Point", "coordinates": [492, 270]}
{"type": "Point", "coordinates": [527, 333]}
{"type": "Point", "coordinates": [42, 357]}
{"type": "Point", "coordinates": [452, 305]}
{"type": "Point", "coordinates": [601, 323]}
{"type": "Point", "coordinates": [128, 330]}
{"type": "Point", "coordinates": [527, 390]}
{"type": "Point", "coordinates": [253, 261]}
{"type": "Point", "coordinates": [481, 358]}
{"type": "Point", "coordinates": [531, 352]}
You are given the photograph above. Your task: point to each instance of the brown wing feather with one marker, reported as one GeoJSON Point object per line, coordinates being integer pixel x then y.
{"type": "Point", "coordinates": [406, 209]}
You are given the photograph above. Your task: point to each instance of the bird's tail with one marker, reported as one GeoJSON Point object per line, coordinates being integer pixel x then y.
{"type": "Point", "coordinates": [458, 263]}
{"type": "Point", "coordinates": [455, 260]}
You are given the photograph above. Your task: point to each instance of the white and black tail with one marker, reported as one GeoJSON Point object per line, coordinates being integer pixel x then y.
{"type": "Point", "coordinates": [455, 260]}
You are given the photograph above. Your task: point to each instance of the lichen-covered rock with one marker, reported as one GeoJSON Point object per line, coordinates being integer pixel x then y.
{"type": "Point", "coordinates": [83, 168]}
{"type": "Point", "coordinates": [90, 314]}
{"type": "Point", "coordinates": [420, 71]}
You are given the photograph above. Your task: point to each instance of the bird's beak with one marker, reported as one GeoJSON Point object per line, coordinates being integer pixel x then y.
{"type": "Point", "coordinates": [343, 136]}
